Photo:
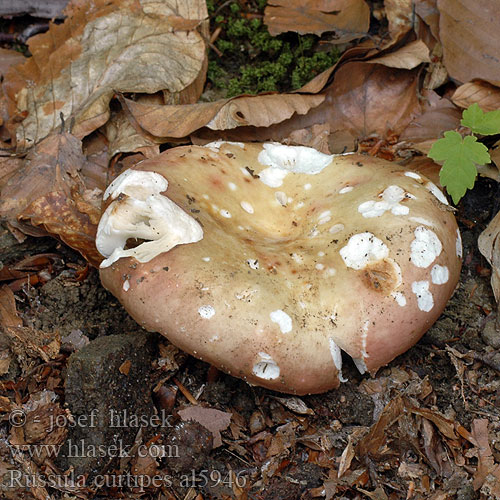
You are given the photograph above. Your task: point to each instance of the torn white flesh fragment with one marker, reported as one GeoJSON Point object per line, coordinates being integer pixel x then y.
{"type": "Point", "coordinates": [436, 192]}
{"type": "Point", "coordinates": [413, 175]}
{"type": "Point", "coordinates": [282, 319]}
{"type": "Point", "coordinates": [360, 365]}
{"type": "Point", "coordinates": [362, 249]}
{"type": "Point", "coordinates": [439, 274]}
{"type": "Point", "coordinates": [142, 214]}
{"type": "Point", "coordinates": [266, 368]}
{"type": "Point", "coordinates": [206, 312]}
{"type": "Point", "coordinates": [215, 145]}
{"type": "Point", "coordinates": [346, 189]}
{"type": "Point", "coordinates": [425, 300]}
{"type": "Point", "coordinates": [283, 159]}
{"type": "Point", "coordinates": [336, 354]}
{"type": "Point", "coordinates": [391, 198]}
{"type": "Point", "coordinates": [425, 248]}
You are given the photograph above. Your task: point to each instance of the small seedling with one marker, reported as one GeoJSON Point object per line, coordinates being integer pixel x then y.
{"type": "Point", "coordinates": [461, 155]}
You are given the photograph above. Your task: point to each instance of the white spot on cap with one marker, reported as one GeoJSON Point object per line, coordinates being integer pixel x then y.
{"type": "Point", "coordinates": [126, 285]}
{"type": "Point", "coordinates": [206, 259]}
{"type": "Point", "coordinates": [346, 189]}
{"type": "Point", "coordinates": [206, 311]}
{"type": "Point", "coordinates": [225, 214]}
{"type": "Point", "coordinates": [399, 298]}
{"type": "Point", "coordinates": [232, 186]}
{"type": "Point", "coordinates": [436, 192]}
{"type": "Point", "coordinates": [321, 254]}
{"type": "Point", "coordinates": [331, 271]}
{"type": "Point", "coordinates": [282, 319]}
{"type": "Point", "coordinates": [281, 198]}
{"type": "Point", "coordinates": [391, 198]}
{"type": "Point", "coordinates": [299, 205]}
{"type": "Point", "coordinates": [297, 258]}
{"type": "Point", "coordinates": [425, 248]}
{"type": "Point", "coordinates": [273, 177]}
{"type": "Point", "coordinates": [362, 249]}
{"type": "Point", "coordinates": [439, 274]}
{"type": "Point", "coordinates": [324, 217]}
{"type": "Point", "coordinates": [266, 368]}
{"type": "Point", "coordinates": [320, 267]}
{"type": "Point", "coordinates": [458, 244]}
{"type": "Point", "coordinates": [253, 263]}
{"type": "Point", "coordinates": [425, 300]}
{"type": "Point", "coordinates": [413, 175]}
{"type": "Point", "coordinates": [336, 228]}
{"type": "Point", "coordinates": [336, 354]}
{"type": "Point", "coordinates": [205, 196]}
{"type": "Point", "coordinates": [247, 207]}
{"type": "Point", "coordinates": [307, 186]}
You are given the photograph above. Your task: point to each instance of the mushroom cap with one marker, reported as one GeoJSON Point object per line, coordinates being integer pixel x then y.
{"type": "Point", "coordinates": [302, 255]}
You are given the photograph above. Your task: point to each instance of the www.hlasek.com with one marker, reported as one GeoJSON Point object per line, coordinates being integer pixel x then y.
{"type": "Point", "coordinates": [194, 479]}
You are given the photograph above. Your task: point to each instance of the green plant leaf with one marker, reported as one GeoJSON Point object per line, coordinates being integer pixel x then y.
{"type": "Point", "coordinates": [480, 122]}
{"type": "Point", "coordinates": [460, 157]}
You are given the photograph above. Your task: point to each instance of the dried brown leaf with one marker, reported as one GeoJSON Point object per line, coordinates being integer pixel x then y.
{"type": "Point", "coordinates": [487, 96]}
{"type": "Point", "coordinates": [349, 19]}
{"type": "Point", "coordinates": [213, 420]}
{"type": "Point", "coordinates": [259, 111]}
{"type": "Point", "coordinates": [486, 462]}
{"type": "Point", "coordinates": [407, 57]}
{"type": "Point", "coordinates": [489, 246]}
{"type": "Point", "coordinates": [9, 58]}
{"type": "Point", "coordinates": [399, 15]}
{"type": "Point", "coordinates": [49, 191]}
{"type": "Point", "coordinates": [470, 37]}
{"type": "Point", "coordinates": [103, 47]}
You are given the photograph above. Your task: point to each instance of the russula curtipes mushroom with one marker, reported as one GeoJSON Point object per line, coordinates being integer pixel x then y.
{"type": "Point", "coordinates": [268, 261]}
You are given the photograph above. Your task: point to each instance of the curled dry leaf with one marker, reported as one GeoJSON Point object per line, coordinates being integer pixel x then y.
{"type": "Point", "coordinates": [259, 111]}
{"type": "Point", "coordinates": [489, 246]}
{"type": "Point", "coordinates": [349, 19]}
{"type": "Point", "coordinates": [48, 190]}
{"type": "Point", "coordinates": [470, 37]}
{"type": "Point", "coordinates": [407, 57]}
{"type": "Point", "coordinates": [103, 47]}
{"type": "Point", "coordinates": [487, 96]}
{"type": "Point", "coordinates": [399, 15]}
{"type": "Point", "coordinates": [212, 419]}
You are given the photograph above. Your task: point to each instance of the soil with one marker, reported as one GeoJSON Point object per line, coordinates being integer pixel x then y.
{"type": "Point", "coordinates": [282, 450]}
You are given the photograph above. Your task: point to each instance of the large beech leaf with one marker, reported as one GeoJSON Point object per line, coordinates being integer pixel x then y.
{"type": "Point", "coordinates": [103, 47]}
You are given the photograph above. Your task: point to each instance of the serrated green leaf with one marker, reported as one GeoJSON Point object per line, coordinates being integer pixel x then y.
{"type": "Point", "coordinates": [480, 122]}
{"type": "Point", "coordinates": [460, 157]}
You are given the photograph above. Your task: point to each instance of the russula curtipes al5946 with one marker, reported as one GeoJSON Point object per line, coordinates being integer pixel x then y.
{"type": "Point", "coordinates": [269, 260]}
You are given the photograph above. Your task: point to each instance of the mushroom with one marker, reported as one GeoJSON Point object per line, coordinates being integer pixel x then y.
{"type": "Point", "coordinates": [268, 260]}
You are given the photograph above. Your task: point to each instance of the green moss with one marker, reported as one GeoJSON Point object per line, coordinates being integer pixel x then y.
{"type": "Point", "coordinates": [253, 61]}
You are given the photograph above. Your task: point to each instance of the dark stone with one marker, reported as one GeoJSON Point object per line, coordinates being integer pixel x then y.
{"type": "Point", "coordinates": [109, 406]}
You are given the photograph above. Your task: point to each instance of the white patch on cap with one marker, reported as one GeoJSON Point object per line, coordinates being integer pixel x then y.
{"type": "Point", "coordinates": [331, 271]}
{"type": "Point", "coordinates": [422, 220]}
{"type": "Point", "coordinates": [297, 258]}
{"type": "Point", "coordinates": [413, 175]}
{"type": "Point", "coordinates": [336, 354]}
{"type": "Point", "coordinates": [266, 368]}
{"type": "Point", "coordinates": [215, 145]}
{"type": "Point", "coordinates": [232, 186]}
{"type": "Point", "coordinates": [299, 205]}
{"type": "Point", "coordinates": [206, 259]}
{"type": "Point", "coordinates": [206, 311]}
{"type": "Point", "coordinates": [143, 214]}
{"type": "Point", "coordinates": [126, 285]}
{"type": "Point", "coordinates": [320, 266]}
{"type": "Point", "coordinates": [425, 248]}
{"type": "Point", "coordinates": [425, 300]}
{"type": "Point", "coordinates": [281, 198]}
{"type": "Point", "coordinates": [225, 214]}
{"type": "Point", "coordinates": [284, 159]}
{"type": "Point", "coordinates": [282, 319]}
{"type": "Point", "coordinates": [324, 217]}
{"type": "Point", "coordinates": [458, 244]}
{"type": "Point", "coordinates": [440, 274]}
{"type": "Point", "coordinates": [346, 189]}
{"type": "Point", "coordinates": [436, 192]}
{"type": "Point", "coordinates": [391, 198]}
{"type": "Point", "coordinates": [307, 186]}
{"type": "Point", "coordinates": [247, 207]}
{"type": "Point", "coordinates": [362, 249]}
{"type": "Point", "coordinates": [253, 263]}
{"type": "Point", "coordinates": [205, 196]}
{"type": "Point", "coordinates": [399, 298]}
{"type": "Point", "coordinates": [336, 228]}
